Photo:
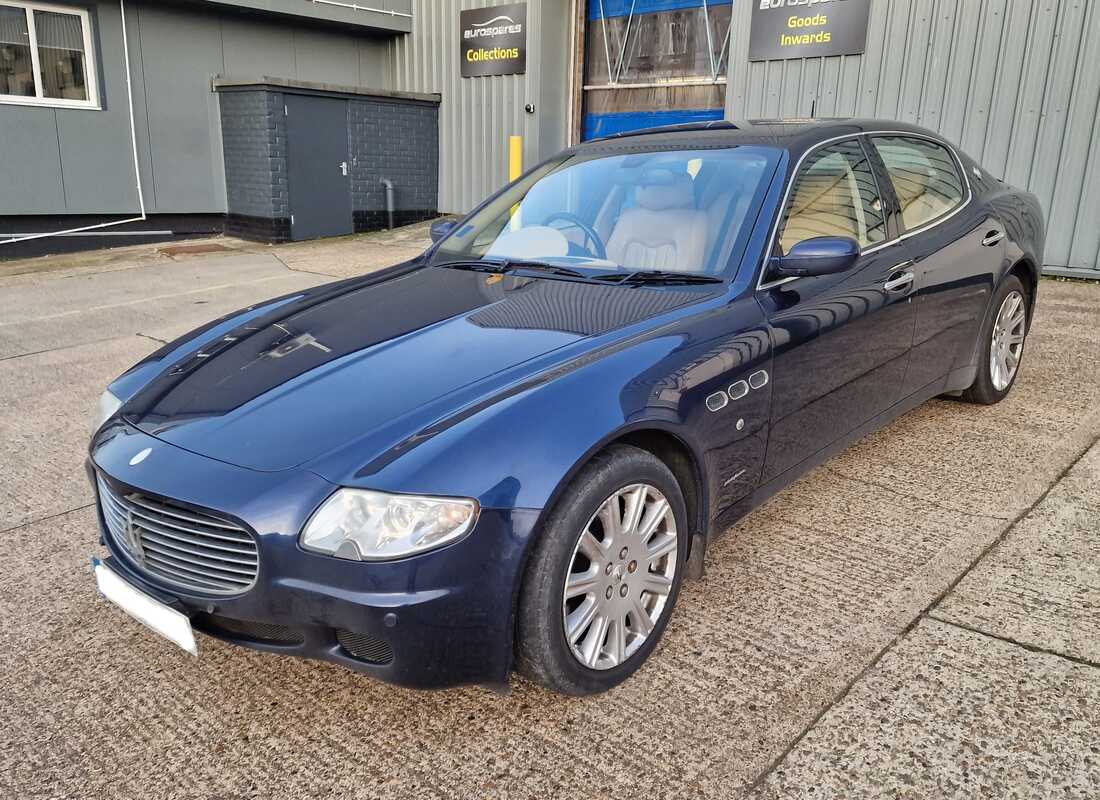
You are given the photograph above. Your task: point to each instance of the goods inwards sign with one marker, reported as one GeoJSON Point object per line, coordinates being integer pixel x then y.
{"type": "Point", "coordinates": [494, 40]}
{"type": "Point", "coordinates": [807, 28]}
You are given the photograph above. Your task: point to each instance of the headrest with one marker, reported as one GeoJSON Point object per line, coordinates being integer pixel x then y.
{"type": "Point", "coordinates": [820, 192]}
{"type": "Point", "coordinates": [659, 189]}
{"type": "Point", "coordinates": [911, 172]}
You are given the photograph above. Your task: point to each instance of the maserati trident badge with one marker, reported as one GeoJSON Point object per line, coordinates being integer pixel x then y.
{"type": "Point", "coordinates": [133, 538]}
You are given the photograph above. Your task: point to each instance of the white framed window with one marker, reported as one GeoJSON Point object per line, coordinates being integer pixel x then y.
{"type": "Point", "coordinates": [46, 56]}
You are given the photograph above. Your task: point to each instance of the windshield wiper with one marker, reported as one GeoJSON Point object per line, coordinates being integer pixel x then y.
{"type": "Point", "coordinates": [510, 265]}
{"type": "Point", "coordinates": [656, 277]}
{"type": "Point", "coordinates": [541, 266]}
{"type": "Point", "coordinates": [473, 264]}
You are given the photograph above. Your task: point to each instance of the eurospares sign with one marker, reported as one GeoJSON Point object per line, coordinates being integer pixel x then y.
{"type": "Point", "coordinates": [807, 28]}
{"type": "Point", "coordinates": [494, 40]}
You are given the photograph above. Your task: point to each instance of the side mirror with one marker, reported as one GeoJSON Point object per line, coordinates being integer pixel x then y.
{"type": "Point", "coordinates": [441, 228]}
{"type": "Point", "coordinates": [822, 255]}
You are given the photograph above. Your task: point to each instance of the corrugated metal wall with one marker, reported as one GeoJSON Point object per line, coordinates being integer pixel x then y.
{"type": "Point", "coordinates": [1015, 83]}
{"type": "Point", "coordinates": [477, 115]}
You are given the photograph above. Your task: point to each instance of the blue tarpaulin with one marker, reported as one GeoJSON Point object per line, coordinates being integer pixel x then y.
{"type": "Point", "coordinates": [621, 8]}
{"type": "Point", "coordinates": [596, 125]}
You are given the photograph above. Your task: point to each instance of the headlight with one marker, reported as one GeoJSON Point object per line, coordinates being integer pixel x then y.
{"type": "Point", "coordinates": [108, 405]}
{"type": "Point", "coordinates": [361, 525]}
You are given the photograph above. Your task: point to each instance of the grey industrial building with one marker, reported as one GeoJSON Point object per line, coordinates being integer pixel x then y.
{"type": "Point", "coordinates": [288, 119]}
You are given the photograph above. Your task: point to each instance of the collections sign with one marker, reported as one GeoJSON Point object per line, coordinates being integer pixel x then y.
{"type": "Point", "coordinates": [807, 28]}
{"type": "Point", "coordinates": [494, 40]}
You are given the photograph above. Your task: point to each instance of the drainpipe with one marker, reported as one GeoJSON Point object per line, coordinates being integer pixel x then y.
{"type": "Point", "coordinates": [389, 202]}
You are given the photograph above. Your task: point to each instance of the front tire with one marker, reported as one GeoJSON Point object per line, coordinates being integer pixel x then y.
{"type": "Point", "coordinates": [604, 575]}
{"type": "Point", "coordinates": [1001, 345]}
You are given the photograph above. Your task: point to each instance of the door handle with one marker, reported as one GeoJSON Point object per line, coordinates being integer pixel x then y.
{"type": "Point", "coordinates": [344, 168]}
{"type": "Point", "coordinates": [899, 282]}
{"type": "Point", "coordinates": [992, 238]}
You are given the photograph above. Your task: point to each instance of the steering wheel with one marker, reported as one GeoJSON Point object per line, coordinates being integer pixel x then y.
{"type": "Point", "coordinates": [590, 235]}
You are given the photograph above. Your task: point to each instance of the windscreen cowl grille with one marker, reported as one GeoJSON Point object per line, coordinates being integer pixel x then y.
{"type": "Point", "coordinates": [179, 546]}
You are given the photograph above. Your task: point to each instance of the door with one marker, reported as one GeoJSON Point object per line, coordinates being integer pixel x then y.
{"type": "Point", "coordinates": [317, 166]}
{"type": "Point", "coordinates": [841, 342]}
{"type": "Point", "coordinates": [956, 251]}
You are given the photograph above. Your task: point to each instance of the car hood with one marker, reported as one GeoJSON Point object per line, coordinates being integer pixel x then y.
{"type": "Point", "coordinates": [382, 357]}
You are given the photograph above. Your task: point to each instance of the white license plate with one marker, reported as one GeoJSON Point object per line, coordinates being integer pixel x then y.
{"type": "Point", "coordinates": [149, 611]}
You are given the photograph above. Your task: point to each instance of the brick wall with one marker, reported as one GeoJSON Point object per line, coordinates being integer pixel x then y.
{"type": "Point", "coordinates": [387, 138]}
{"type": "Point", "coordinates": [398, 141]}
{"type": "Point", "coordinates": [254, 146]}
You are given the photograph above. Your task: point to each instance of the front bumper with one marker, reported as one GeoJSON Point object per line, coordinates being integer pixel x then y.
{"type": "Point", "coordinates": [438, 619]}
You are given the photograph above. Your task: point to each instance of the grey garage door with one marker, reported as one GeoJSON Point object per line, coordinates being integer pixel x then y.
{"type": "Point", "coordinates": [317, 166]}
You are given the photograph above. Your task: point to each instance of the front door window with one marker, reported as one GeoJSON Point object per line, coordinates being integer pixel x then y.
{"type": "Point", "coordinates": [835, 194]}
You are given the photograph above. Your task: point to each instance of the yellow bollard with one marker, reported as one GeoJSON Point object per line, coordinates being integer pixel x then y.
{"type": "Point", "coordinates": [515, 157]}
{"type": "Point", "coordinates": [515, 169]}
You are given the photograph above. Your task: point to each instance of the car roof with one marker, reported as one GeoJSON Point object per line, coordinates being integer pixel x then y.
{"type": "Point", "coordinates": [796, 135]}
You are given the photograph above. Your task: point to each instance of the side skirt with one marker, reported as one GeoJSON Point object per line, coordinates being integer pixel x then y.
{"type": "Point", "coordinates": [767, 490]}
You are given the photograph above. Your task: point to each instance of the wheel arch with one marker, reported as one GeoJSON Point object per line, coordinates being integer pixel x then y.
{"type": "Point", "coordinates": [678, 457]}
{"type": "Point", "coordinates": [1028, 273]}
{"type": "Point", "coordinates": [667, 444]}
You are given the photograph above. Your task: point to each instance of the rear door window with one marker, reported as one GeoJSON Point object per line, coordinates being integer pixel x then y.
{"type": "Point", "coordinates": [925, 177]}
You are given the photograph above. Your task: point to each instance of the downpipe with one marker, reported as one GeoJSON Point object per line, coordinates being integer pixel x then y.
{"type": "Point", "coordinates": [389, 202]}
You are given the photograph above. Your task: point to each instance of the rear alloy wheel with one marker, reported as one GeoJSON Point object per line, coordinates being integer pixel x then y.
{"type": "Point", "coordinates": [1001, 345]}
{"type": "Point", "coordinates": [1007, 342]}
{"type": "Point", "coordinates": [604, 574]}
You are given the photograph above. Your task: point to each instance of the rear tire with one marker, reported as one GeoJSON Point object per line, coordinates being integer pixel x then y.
{"type": "Point", "coordinates": [1001, 344]}
{"type": "Point", "coordinates": [597, 539]}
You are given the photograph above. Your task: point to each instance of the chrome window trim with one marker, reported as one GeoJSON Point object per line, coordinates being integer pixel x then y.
{"type": "Point", "coordinates": [760, 284]}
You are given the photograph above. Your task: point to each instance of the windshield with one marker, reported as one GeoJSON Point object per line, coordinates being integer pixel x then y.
{"type": "Point", "coordinates": [680, 211]}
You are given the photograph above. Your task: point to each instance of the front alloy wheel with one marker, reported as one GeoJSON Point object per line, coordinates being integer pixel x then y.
{"type": "Point", "coordinates": [604, 573]}
{"type": "Point", "coordinates": [620, 576]}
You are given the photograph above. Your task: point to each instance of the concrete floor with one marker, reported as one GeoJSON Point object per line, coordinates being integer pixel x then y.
{"type": "Point", "coordinates": [919, 617]}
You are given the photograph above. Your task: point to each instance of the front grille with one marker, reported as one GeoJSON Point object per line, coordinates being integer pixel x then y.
{"type": "Point", "coordinates": [181, 547]}
{"type": "Point", "coordinates": [246, 629]}
{"type": "Point", "coordinates": [364, 647]}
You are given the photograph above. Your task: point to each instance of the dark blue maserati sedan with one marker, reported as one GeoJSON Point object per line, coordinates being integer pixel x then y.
{"type": "Point", "coordinates": [510, 451]}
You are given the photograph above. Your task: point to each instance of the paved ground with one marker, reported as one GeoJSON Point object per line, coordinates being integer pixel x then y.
{"type": "Point", "coordinates": [919, 617]}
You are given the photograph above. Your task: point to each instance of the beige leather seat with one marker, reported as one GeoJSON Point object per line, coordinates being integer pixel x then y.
{"type": "Point", "coordinates": [725, 202]}
{"type": "Point", "coordinates": [920, 202]}
{"type": "Point", "coordinates": [821, 206]}
{"type": "Point", "coordinates": [663, 230]}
